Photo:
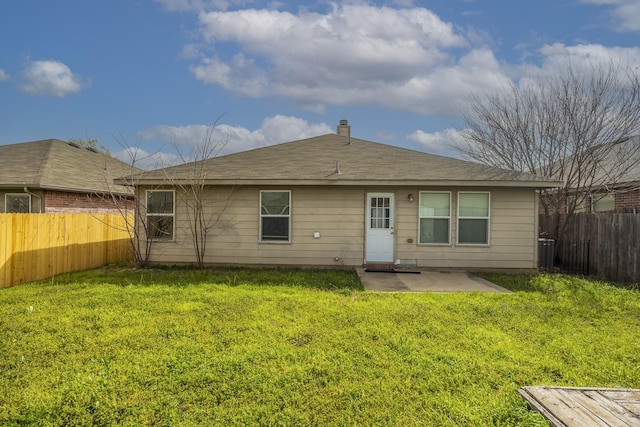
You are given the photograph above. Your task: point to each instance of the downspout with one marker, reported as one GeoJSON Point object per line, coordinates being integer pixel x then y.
{"type": "Point", "coordinates": [26, 190]}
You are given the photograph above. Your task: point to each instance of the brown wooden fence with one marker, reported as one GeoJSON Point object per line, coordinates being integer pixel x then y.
{"type": "Point", "coordinates": [37, 246]}
{"type": "Point", "coordinates": [614, 242]}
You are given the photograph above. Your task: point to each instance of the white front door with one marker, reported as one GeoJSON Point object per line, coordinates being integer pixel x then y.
{"type": "Point", "coordinates": [380, 237]}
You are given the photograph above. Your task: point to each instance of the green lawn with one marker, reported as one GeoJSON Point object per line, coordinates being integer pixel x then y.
{"type": "Point", "coordinates": [175, 347]}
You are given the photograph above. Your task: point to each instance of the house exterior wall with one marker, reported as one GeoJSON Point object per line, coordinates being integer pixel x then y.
{"type": "Point", "coordinates": [513, 233]}
{"type": "Point", "coordinates": [65, 202]}
{"type": "Point", "coordinates": [46, 201]}
{"type": "Point", "coordinates": [338, 214]}
{"type": "Point", "coordinates": [627, 199]}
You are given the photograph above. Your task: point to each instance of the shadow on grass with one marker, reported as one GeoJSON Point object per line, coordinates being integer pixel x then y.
{"type": "Point", "coordinates": [180, 276]}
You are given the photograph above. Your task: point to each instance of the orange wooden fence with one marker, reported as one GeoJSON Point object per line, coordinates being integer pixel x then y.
{"type": "Point", "coordinates": [37, 246]}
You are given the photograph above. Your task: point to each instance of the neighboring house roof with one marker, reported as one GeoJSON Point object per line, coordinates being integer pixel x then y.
{"type": "Point", "coordinates": [623, 161]}
{"type": "Point", "coordinates": [619, 167]}
{"type": "Point", "coordinates": [341, 160]}
{"type": "Point", "coordinates": [52, 164]}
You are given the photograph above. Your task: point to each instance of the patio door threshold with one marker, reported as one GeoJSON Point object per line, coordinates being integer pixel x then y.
{"type": "Point", "coordinates": [379, 266]}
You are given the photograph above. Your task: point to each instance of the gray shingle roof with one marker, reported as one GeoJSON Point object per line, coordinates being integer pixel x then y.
{"type": "Point", "coordinates": [57, 165]}
{"type": "Point", "coordinates": [315, 161]}
{"type": "Point", "coordinates": [623, 161]}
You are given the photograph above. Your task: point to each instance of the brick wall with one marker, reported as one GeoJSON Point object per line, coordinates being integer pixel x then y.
{"type": "Point", "coordinates": [64, 202]}
{"type": "Point", "coordinates": [628, 201]}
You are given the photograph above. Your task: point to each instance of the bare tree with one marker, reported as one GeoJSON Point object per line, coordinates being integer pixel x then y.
{"type": "Point", "coordinates": [128, 204]}
{"type": "Point", "coordinates": [90, 144]}
{"type": "Point", "coordinates": [203, 212]}
{"type": "Point", "coordinates": [573, 127]}
{"type": "Point", "coordinates": [135, 222]}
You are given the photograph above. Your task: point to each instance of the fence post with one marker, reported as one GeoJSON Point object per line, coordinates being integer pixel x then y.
{"type": "Point", "coordinates": [588, 256]}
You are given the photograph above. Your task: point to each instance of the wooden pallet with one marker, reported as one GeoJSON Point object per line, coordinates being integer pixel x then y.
{"type": "Point", "coordinates": [581, 407]}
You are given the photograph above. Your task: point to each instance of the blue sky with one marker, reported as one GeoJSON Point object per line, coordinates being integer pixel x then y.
{"type": "Point", "coordinates": [156, 74]}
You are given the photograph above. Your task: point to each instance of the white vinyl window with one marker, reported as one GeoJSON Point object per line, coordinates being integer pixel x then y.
{"type": "Point", "coordinates": [473, 218]}
{"type": "Point", "coordinates": [580, 205]}
{"type": "Point", "coordinates": [435, 217]}
{"type": "Point", "coordinates": [275, 216]}
{"type": "Point", "coordinates": [17, 203]}
{"type": "Point", "coordinates": [160, 214]}
{"type": "Point", "coordinates": [603, 202]}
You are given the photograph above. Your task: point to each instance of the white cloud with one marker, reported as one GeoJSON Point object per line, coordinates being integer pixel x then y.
{"type": "Point", "coordinates": [557, 58]}
{"type": "Point", "coordinates": [440, 143]}
{"type": "Point", "coordinates": [190, 51]}
{"type": "Point", "coordinates": [239, 76]}
{"type": "Point", "coordinates": [353, 54]}
{"type": "Point", "coordinates": [441, 92]}
{"type": "Point", "coordinates": [222, 139]}
{"type": "Point", "coordinates": [625, 13]}
{"type": "Point", "coordinates": [280, 128]}
{"type": "Point", "coordinates": [145, 160]}
{"type": "Point", "coordinates": [588, 54]}
{"type": "Point", "coordinates": [360, 54]}
{"type": "Point", "coordinates": [230, 139]}
{"type": "Point", "coordinates": [4, 76]}
{"type": "Point", "coordinates": [50, 78]}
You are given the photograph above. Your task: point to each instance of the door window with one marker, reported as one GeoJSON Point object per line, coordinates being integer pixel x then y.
{"type": "Point", "coordinates": [380, 212]}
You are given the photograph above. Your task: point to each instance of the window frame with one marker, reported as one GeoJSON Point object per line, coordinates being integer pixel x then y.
{"type": "Point", "coordinates": [462, 218]}
{"type": "Point", "coordinates": [579, 207]}
{"type": "Point", "coordinates": [261, 238]}
{"type": "Point", "coordinates": [27, 195]}
{"type": "Point", "coordinates": [597, 198]}
{"type": "Point", "coordinates": [153, 214]}
{"type": "Point", "coordinates": [420, 217]}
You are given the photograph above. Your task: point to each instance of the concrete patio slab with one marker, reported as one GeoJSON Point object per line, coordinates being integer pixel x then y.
{"type": "Point", "coordinates": [426, 281]}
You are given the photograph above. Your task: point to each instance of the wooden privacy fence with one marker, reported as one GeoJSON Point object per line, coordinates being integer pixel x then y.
{"type": "Point", "coordinates": [37, 246]}
{"type": "Point", "coordinates": [614, 242]}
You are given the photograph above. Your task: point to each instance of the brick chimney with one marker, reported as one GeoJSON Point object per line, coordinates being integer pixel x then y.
{"type": "Point", "coordinates": [344, 129]}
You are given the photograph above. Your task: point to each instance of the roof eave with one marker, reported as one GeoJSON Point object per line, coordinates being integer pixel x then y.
{"type": "Point", "coordinates": [113, 191]}
{"type": "Point", "coordinates": [30, 185]}
{"type": "Point", "coordinates": [360, 183]}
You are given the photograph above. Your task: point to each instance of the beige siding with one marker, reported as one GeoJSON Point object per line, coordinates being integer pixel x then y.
{"type": "Point", "coordinates": [513, 233]}
{"type": "Point", "coordinates": [338, 214]}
